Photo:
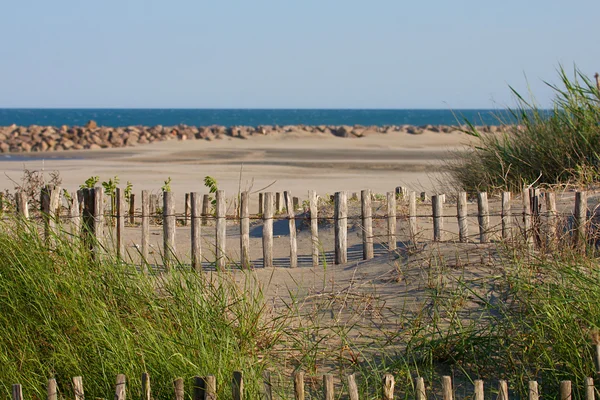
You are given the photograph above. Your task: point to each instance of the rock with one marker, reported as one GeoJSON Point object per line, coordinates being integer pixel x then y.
{"type": "Point", "coordinates": [4, 147]}
{"type": "Point", "coordinates": [67, 144]}
{"type": "Point", "coordinates": [94, 146]}
{"type": "Point", "coordinates": [91, 124]}
{"type": "Point", "coordinates": [342, 131]}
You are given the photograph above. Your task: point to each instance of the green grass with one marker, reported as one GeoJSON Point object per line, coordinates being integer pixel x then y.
{"type": "Point", "coordinates": [558, 146]}
{"type": "Point", "coordinates": [63, 314]}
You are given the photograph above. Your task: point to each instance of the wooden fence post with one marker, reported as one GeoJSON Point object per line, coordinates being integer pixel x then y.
{"type": "Point", "coordinates": [22, 206]}
{"type": "Point", "coordinates": [314, 227]}
{"type": "Point", "coordinates": [237, 385]}
{"type": "Point", "coordinates": [120, 387]}
{"type": "Point", "coordinates": [292, 224]}
{"type": "Point", "coordinates": [551, 220]}
{"type": "Point", "coordinates": [502, 390]}
{"type": "Point", "coordinates": [579, 237]}
{"type": "Point", "coordinates": [506, 216]}
{"type": "Point", "coordinates": [52, 390]}
{"type": "Point", "coordinates": [341, 228]}
{"type": "Point", "coordinates": [388, 382]}
{"type": "Point", "coordinates": [268, 231]}
{"type": "Point", "coordinates": [590, 391]}
{"type": "Point", "coordinates": [261, 203]}
{"type": "Point", "coordinates": [146, 390]}
{"type": "Point", "coordinates": [98, 198]}
{"type": "Point", "coordinates": [352, 388]}
{"type": "Point", "coordinates": [534, 393]}
{"type": "Point", "coordinates": [462, 212]}
{"type": "Point", "coordinates": [186, 209]}
{"type": "Point", "coordinates": [391, 220]}
{"type": "Point", "coordinates": [153, 204]}
{"type": "Point", "coordinates": [565, 390]}
{"type": "Point", "coordinates": [401, 192]}
{"type": "Point", "coordinates": [328, 393]}
{"type": "Point", "coordinates": [145, 229]}
{"type": "Point", "coordinates": [221, 230]}
{"type": "Point", "coordinates": [178, 383]}
{"type": "Point", "coordinates": [196, 233]}
{"type": "Point", "coordinates": [75, 219]}
{"type": "Point", "coordinates": [446, 380]}
{"type": "Point", "coordinates": [412, 217]}
{"type": "Point", "coordinates": [132, 209]}
{"type": "Point", "coordinates": [527, 225]}
{"type": "Point", "coordinates": [299, 385]}
{"type": "Point", "coordinates": [438, 217]}
{"type": "Point", "coordinates": [478, 390]}
{"type": "Point", "coordinates": [169, 229]}
{"type": "Point", "coordinates": [267, 385]}
{"type": "Point", "coordinates": [78, 385]}
{"type": "Point", "coordinates": [245, 230]}
{"type": "Point", "coordinates": [17, 392]}
{"type": "Point", "coordinates": [120, 221]}
{"type": "Point", "coordinates": [420, 389]}
{"type": "Point", "coordinates": [277, 203]}
{"type": "Point", "coordinates": [483, 217]}
{"type": "Point", "coordinates": [367, 223]}
{"type": "Point", "coordinates": [205, 209]}
{"type": "Point", "coordinates": [424, 197]}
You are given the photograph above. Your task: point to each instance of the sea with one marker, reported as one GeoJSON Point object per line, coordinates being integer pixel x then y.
{"type": "Point", "coordinates": [248, 117]}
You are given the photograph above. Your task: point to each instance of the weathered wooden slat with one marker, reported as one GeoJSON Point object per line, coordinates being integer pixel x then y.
{"type": "Point", "coordinates": [145, 245]}
{"type": "Point", "coordinates": [268, 231]}
{"type": "Point", "coordinates": [314, 227]}
{"type": "Point", "coordinates": [196, 231]}
{"type": "Point", "coordinates": [483, 217]}
{"type": "Point", "coordinates": [237, 385]}
{"type": "Point", "coordinates": [74, 216]}
{"type": "Point", "coordinates": [412, 217]}
{"type": "Point", "coordinates": [438, 217]}
{"type": "Point", "coordinates": [267, 386]}
{"type": "Point", "coordinates": [502, 390]}
{"type": "Point", "coordinates": [579, 235]}
{"type": "Point", "coordinates": [478, 390]}
{"type": "Point", "coordinates": [120, 222]}
{"type": "Point", "coordinates": [78, 388]}
{"type": "Point", "coordinates": [534, 393]}
{"type": "Point", "coordinates": [590, 391]}
{"type": "Point", "coordinates": [527, 218]}
{"type": "Point", "coordinates": [205, 209]}
{"type": "Point", "coordinates": [328, 392]}
{"type": "Point", "coordinates": [22, 206]}
{"type": "Point", "coordinates": [277, 203]}
{"type": "Point", "coordinates": [565, 390]}
{"type": "Point", "coordinates": [506, 216]}
{"type": "Point", "coordinates": [146, 388]}
{"type": "Point", "coordinates": [551, 220]}
{"type": "Point", "coordinates": [17, 392]}
{"type": "Point", "coordinates": [186, 210]}
{"type": "Point", "coordinates": [169, 221]}
{"type": "Point", "coordinates": [98, 211]}
{"type": "Point", "coordinates": [179, 387]}
{"type": "Point", "coordinates": [447, 391]}
{"type": "Point", "coordinates": [292, 226]}
{"type": "Point", "coordinates": [299, 385]}
{"type": "Point", "coordinates": [132, 208]}
{"type": "Point", "coordinates": [391, 220]}
{"type": "Point", "coordinates": [261, 203]}
{"type": "Point", "coordinates": [120, 387]}
{"type": "Point", "coordinates": [462, 212]}
{"type": "Point", "coordinates": [341, 227]}
{"type": "Point", "coordinates": [221, 230]}
{"type": "Point", "coordinates": [52, 390]}
{"type": "Point", "coordinates": [420, 393]}
{"type": "Point", "coordinates": [388, 381]}
{"type": "Point", "coordinates": [245, 230]}
{"type": "Point", "coordinates": [352, 388]}
{"type": "Point", "coordinates": [367, 223]}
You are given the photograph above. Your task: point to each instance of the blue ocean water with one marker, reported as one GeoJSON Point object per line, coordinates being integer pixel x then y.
{"type": "Point", "coordinates": [248, 117]}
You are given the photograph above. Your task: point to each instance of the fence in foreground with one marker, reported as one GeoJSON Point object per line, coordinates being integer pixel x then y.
{"type": "Point", "coordinates": [205, 388]}
{"type": "Point", "coordinates": [539, 219]}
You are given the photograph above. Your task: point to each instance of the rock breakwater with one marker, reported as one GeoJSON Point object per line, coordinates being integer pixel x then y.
{"type": "Point", "coordinates": [24, 139]}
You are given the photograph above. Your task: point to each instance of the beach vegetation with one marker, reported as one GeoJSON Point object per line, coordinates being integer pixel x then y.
{"type": "Point", "coordinates": [546, 147]}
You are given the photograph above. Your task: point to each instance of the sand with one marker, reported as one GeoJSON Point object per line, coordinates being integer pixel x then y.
{"type": "Point", "coordinates": [296, 161]}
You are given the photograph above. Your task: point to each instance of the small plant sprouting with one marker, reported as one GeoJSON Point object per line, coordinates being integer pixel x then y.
{"type": "Point", "coordinates": [128, 191]}
{"type": "Point", "coordinates": [167, 186]}
{"type": "Point", "coordinates": [90, 182]}
{"type": "Point", "coordinates": [211, 184]}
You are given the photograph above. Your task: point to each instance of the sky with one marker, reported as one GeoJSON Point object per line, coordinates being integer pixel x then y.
{"type": "Point", "coordinates": [290, 54]}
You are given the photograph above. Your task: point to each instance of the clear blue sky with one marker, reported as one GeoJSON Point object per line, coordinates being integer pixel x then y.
{"type": "Point", "coordinates": [289, 54]}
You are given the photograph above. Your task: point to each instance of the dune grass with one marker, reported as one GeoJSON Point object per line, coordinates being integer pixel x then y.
{"type": "Point", "coordinates": [63, 314]}
{"type": "Point", "coordinates": [556, 146]}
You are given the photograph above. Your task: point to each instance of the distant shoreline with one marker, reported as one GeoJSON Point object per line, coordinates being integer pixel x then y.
{"type": "Point", "coordinates": [35, 138]}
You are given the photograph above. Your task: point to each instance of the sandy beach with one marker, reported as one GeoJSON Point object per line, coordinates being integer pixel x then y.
{"type": "Point", "coordinates": [295, 161]}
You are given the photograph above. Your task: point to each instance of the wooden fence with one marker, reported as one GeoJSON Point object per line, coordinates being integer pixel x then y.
{"type": "Point", "coordinates": [205, 388]}
{"type": "Point", "coordinates": [533, 219]}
